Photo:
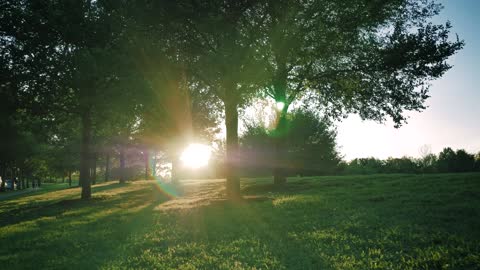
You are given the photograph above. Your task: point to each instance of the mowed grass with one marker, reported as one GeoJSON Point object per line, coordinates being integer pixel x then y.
{"type": "Point", "coordinates": [345, 222]}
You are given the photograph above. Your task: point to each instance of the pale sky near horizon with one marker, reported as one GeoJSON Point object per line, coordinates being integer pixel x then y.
{"type": "Point", "coordinates": [451, 118]}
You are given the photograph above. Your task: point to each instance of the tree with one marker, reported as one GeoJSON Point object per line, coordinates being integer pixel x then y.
{"type": "Point", "coordinates": [428, 160]}
{"type": "Point", "coordinates": [459, 161]}
{"type": "Point", "coordinates": [464, 162]}
{"type": "Point", "coordinates": [477, 162]}
{"type": "Point", "coordinates": [224, 36]}
{"type": "Point", "coordinates": [256, 148]}
{"type": "Point", "coordinates": [310, 146]}
{"type": "Point", "coordinates": [73, 56]}
{"type": "Point", "coordinates": [374, 59]}
{"type": "Point", "coordinates": [400, 165]}
{"type": "Point", "coordinates": [446, 160]}
{"type": "Point", "coordinates": [365, 166]}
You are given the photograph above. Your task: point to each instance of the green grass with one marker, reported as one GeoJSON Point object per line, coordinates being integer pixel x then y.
{"type": "Point", "coordinates": [348, 222]}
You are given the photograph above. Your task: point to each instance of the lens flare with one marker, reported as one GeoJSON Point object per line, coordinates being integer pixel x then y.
{"type": "Point", "coordinates": [196, 155]}
{"type": "Point", "coordinates": [280, 105]}
{"type": "Point", "coordinates": [164, 186]}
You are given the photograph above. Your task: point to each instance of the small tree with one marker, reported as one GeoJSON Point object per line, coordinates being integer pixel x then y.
{"type": "Point", "coordinates": [427, 161]}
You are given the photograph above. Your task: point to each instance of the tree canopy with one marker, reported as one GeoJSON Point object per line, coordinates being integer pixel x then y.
{"type": "Point", "coordinates": [94, 74]}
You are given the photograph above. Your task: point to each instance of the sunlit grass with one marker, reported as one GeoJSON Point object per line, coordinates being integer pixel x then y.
{"type": "Point", "coordinates": [354, 222]}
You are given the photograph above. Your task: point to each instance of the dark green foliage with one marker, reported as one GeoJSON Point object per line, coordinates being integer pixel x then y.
{"type": "Point", "coordinates": [464, 162]}
{"type": "Point", "coordinates": [428, 163]}
{"type": "Point", "coordinates": [448, 161]}
{"type": "Point", "coordinates": [401, 165]}
{"type": "Point", "coordinates": [311, 144]}
{"type": "Point", "coordinates": [477, 162]}
{"type": "Point", "coordinates": [309, 147]}
{"type": "Point", "coordinates": [364, 166]}
{"type": "Point", "coordinates": [451, 161]}
{"type": "Point", "coordinates": [374, 59]}
{"type": "Point", "coordinates": [256, 150]}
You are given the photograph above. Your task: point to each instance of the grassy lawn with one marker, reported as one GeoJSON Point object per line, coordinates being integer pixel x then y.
{"type": "Point", "coordinates": [345, 222]}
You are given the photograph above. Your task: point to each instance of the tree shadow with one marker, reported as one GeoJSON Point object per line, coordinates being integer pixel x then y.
{"type": "Point", "coordinates": [65, 232]}
{"type": "Point", "coordinates": [59, 207]}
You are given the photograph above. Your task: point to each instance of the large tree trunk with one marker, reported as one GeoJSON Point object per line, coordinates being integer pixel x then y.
{"type": "Point", "coordinates": [122, 166]}
{"type": "Point", "coordinates": [107, 166]}
{"type": "Point", "coordinates": [85, 156]}
{"type": "Point", "coordinates": [231, 124]}
{"type": "Point", "coordinates": [279, 153]}
{"type": "Point", "coordinates": [280, 88]}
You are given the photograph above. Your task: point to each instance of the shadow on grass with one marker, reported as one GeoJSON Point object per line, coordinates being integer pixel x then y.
{"type": "Point", "coordinates": [294, 187]}
{"type": "Point", "coordinates": [355, 229]}
{"type": "Point", "coordinates": [74, 233]}
{"type": "Point", "coordinates": [58, 207]}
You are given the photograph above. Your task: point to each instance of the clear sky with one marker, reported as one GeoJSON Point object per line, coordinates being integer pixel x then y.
{"type": "Point", "coordinates": [453, 114]}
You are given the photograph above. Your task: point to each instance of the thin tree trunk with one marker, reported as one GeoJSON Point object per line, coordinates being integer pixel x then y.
{"type": "Point", "coordinates": [94, 168]}
{"type": "Point", "coordinates": [85, 156]}
{"type": "Point", "coordinates": [107, 167]}
{"type": "Point", "coordinates": [154, 164]}
{"type": "Point", "coordinates": [175, 176]}
{"type": "Point", "coordinates": [122, 165]}
{"type": "Point", "coordinates": [147, 164]}
{"type": "Point", "coordinates": [19, 179]}
{"type": "Point", "coordinates": [69, 178]}
{"type": "Point", "coordinates": [4, 178]}
{"type": "Point", "coordinates": [231, 124]}
{"type": "Point", "coordinates": [14, 176]}
{"type": "Point", "coordinates": [21, 182]}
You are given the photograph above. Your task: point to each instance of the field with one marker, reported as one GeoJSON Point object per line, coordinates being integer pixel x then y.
{"type": "Point", "coordinates": [344, 222]}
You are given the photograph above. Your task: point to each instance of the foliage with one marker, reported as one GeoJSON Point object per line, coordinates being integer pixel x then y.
{"type": "Point", "coordinates": [99, 76]}
{"type": "Point", "coordinates": [448, 161]}
{"type": "Point", "coordinates": [477, 162]}
{"type": "Point", "coordinates": [364, 166]}
{"type": "Point", "coordinates": [401, 165]}
{"type": "Point", "coordinates": [459, 161]}
{"type": "Point", "coordinates": [309, 147]}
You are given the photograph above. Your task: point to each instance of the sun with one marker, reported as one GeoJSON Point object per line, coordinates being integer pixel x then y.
{"type": "Point", "coordinates": [196, 155]}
